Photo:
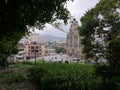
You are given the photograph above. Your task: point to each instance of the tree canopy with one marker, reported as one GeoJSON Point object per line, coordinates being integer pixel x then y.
{"type": "Point", "coordinates": [16, 15]}
{"type": "Point", "coordinates": [60, 50]}
{"type": "Point", "coordinates": [100, 30]}
{"type": "Point", "coordinates": [99, 26]}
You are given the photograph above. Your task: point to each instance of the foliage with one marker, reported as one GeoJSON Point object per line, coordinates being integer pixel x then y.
{"type": "Point", "coordinates": [6, 48]}
{"type": "Point", "coordinates": [64, 76]}
{"type": "Point", "coordinates": [17, 15]}
{"type": "Point", "coordinates": [110, 79]}
{"type": "Point", "coordinates": [113, 53]}
{"type": "Point", "coordinates": [101, 31]}
{"type": "Point", "coordinates": [60, 50]}
{"type": "Point", "coordinates": [27, 62]}
{"type": "Point", "coordinates": [17, 77]}
{"type": "Point", "coordinates": [99, 26]}
{"type": "Point", "coordinates": [111, 73]}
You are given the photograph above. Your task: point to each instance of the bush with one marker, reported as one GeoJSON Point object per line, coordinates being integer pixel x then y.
{"type": "Point", "coordinates": [64, 76]}
{"type": "Point", "coordinates": [17, 77]}
{"type": "Point", "coordinates": [66, 61]}
{"type": "Point", "coordinates": [110, 80]}
{"type": "Point", "coordinates": [27, 62]}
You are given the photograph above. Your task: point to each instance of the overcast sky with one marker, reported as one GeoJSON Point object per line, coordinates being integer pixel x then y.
{"type": "Point", "coordinates": [77, 9]}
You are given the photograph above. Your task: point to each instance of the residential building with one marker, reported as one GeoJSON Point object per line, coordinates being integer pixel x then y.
{"type": "Point", "coordinates": [31, 48]}
{"type": "Point", "coordinates": [36, 37]}
{"type": "Point", "coordinates": [21, 47]}
{"type": "Point", "coordinates": [34, 49]}
{"type": "Point", "coordinates": [49, 52]}
{"type": "Point", "coordinates": [21, 53]}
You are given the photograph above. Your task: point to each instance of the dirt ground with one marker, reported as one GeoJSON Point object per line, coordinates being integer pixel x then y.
{"type": "Point", "coordinates": [26, 85]}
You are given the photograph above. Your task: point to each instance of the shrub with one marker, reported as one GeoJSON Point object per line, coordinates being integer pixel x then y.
{"type": "Point", "coordinates": [110, 80]}
{"type": "Point", "coordinates": [66, 61]}
{"type": "Point", "coordinates": [27, 62]}
{"type": "Point", "coordinates": [64, 76]}
{"type": "Point", "coordinates": [17, 77]}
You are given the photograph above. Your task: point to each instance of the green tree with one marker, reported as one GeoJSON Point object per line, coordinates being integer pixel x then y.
{"type": "Point", "coordinates": [99, 26]}
{"type": "Point", "coordinates": [7, 48]}
{"type": "Point", "coordinates": [113, 55]}
{"type": "Point", "coordinates": [17, 15]}
{"type": "Point", "coordinates": [111, 73]}
{"type": "Point", "coordinates": [101, 31]}
{"type": "Point", "coordinates": [60, 50]}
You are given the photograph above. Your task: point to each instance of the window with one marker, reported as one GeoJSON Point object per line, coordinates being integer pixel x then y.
{"type": "Point", "coordinates": [36, 47]}
{"type": "Point", "coordinates": [36, 51]}
{"type": "Point", "coordinates": [28, 50]}
{"type": "Point", "coordinates": [32, 47]}
{"type": "Point", "coordinates": [32, 51]}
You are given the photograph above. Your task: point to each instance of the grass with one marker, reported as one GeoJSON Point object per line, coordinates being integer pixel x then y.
{"type": "Point", "coordinates": [54, 76]}
{"type": "Point", "coordinates": [65, 76]}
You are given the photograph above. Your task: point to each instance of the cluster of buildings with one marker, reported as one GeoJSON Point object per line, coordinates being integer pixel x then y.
{"type": "Point", "coordinates": [33, 47]}
{"type": "Point", "coordinates": [30, 49]}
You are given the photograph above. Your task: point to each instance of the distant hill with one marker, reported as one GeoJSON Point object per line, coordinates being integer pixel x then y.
{"type": "Point", "coordinates": [46, 38]}
{"type": "Point", "coordinates": [53, 38]}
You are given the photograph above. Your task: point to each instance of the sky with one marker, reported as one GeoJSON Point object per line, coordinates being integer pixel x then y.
{"type": "Point", "coordinates": [77, 9]}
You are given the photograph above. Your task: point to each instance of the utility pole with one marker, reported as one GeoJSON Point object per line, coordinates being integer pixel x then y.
{"type": "Point", "coordinates": [70, 57]}
{"type": "Point", "coordinates": [35, 54]}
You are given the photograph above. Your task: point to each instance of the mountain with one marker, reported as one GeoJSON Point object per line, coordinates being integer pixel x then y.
{"type": "Point", "coordinates": [51, 38]}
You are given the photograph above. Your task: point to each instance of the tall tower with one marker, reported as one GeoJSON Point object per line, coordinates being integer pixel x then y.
{"type": "Point", "coordinates": [73, 41]}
